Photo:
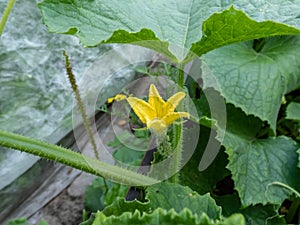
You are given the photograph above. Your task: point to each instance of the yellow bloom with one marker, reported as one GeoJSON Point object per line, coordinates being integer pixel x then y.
{"type": "Point", "coordinates": [156, 113]}
{"type": "Point", "coordinates": [118, 97]}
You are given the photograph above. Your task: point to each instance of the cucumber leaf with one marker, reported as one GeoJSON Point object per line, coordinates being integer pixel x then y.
{"type": "Point", "coordinates": [184, 24]}
{"type": "Point", "coordinates": [161, 216]}
{"type": "Point", "coordinates": [167, 196]}
{"type": "Point", "coordinates": [256, 80]}
{"type": "Point", "coordinates": [174, 196]}
{"type": "Point", "coordinates": [293, 111]}
{"type": "Point", "coordinates": [254, 215]}
{"type": "Point", "coordinates": [204, 181]}
{"type": "Point", "coordinates": [102, 193]}
{"type": "Point", "coordinates": [120, 205]}
{"type": "Point", "coordinates": [255, 162]}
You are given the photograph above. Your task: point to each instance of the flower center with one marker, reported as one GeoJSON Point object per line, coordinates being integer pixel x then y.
{"type": "Point", "coordinates": [158, 126]}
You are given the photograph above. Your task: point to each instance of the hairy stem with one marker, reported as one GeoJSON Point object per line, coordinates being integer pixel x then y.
{"type": "Point", "coordinates": [178, 130]}
{"type": "Point", "coordinates": [180, 79]}
{"type": "Point", "coordinates": [73, 159]}
{"type": "Point", "coordinates": [5, 15]}
{"type": "Point", "coordinates": [177, 145]}
{"type": "Point", "coordinates": [80, 104]}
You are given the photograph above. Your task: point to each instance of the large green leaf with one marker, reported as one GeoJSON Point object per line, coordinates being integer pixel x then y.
{"type": "Point", "coordinates": [173, 196]}
{"type": "Point", "coordinates": [120, 205]}
{"type": "Point", "coordinates": [256, 81]}
{"type": "Point", "coordinates": [293, 111]}
{"type": "Point", "coordinates": [170, 21]}
{"type": "Point", "coordinates": [204, 181]}
{"type": "Point", "coordinates": [234, 26]}
{"type": "Point", "coordinates": [254, 215]}
{"type": "Point", "coordinates": [124, 153]}
{"type": "Point", "coordinates": [167, 196]}
{"type": "Point", "coordinates": [94, 195]}
{"type": "Point", "coordinates": [259, 214]}
{"type": "Point", "coordinates": [102, 193]}
{"type": "Point", "coordinates": [162, 216]}
{"type": "Point", "coordinates": [256, 163]}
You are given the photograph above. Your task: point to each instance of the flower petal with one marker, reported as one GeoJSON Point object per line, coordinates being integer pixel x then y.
{"type": "Point", "coordinates": [173, 101]}
{"type": "Point", "coordinates": [142, 109]}
{"type": "Point", "coordinates": [156, 101]}
{"type": "Point", "coordinates": [110, 100]}
{"type": "Point", "coordinates": [118, 97]}
{"type": "Point", "coordinates": [171, 117]}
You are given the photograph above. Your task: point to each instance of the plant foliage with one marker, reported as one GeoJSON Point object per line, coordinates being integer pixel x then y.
{"type": "Point", "coordinates": [252, 49]}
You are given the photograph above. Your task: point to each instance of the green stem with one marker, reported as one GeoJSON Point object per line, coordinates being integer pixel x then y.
{"type": "Point", "coordinates": [6, 13]}
{"type": "Point", "coordinates": [178, 130]}
{"type": "Point", "coordinates": [180, 79]}
{"type": "Point", "coordinates": [73, 159]}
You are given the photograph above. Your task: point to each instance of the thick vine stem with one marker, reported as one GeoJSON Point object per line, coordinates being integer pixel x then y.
{"type": "Point", "coordinates": [74, 159]}
{"type": "Point", "coordinates": [180, 79]}
{"type": "Point", "coordinates": [6, 13]}
{"type": "Point", "coordinates": [177, 153]}
{"type": "Point", "coordinates": [178, 131]}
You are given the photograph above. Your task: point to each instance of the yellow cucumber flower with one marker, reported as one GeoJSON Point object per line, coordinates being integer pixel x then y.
{"type": "Point", "coordinates": [157, 114]}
